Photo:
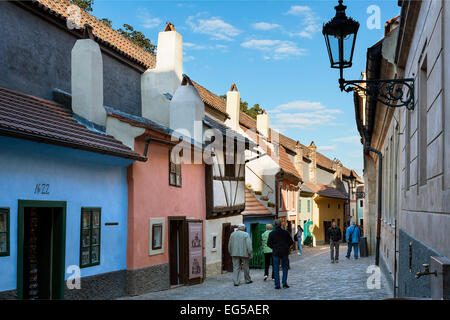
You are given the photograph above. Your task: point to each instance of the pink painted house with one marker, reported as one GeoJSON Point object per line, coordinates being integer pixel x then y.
{"type": "Point", "coordinates": [166, 213]}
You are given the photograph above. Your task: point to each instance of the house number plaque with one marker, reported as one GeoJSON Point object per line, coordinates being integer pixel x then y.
{"type": "Point", "coordinates": [42, 188]}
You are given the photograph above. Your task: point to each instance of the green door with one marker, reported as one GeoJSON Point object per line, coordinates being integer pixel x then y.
{"type": "Point", "coordinates": [257, 262]}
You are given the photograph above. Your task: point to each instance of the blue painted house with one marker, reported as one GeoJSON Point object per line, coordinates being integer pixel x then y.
{"type": "Point", "coordinates": [63, 190]}
{"type": "Point", "coordinates": [63, 203]}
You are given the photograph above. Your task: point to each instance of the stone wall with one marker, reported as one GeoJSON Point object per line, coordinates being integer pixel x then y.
{"type": "Point", "coordinates": [148, 279]}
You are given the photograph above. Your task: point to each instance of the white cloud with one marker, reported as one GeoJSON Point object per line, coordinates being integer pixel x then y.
{"type": "Point", "coordinates": [310, 21]}
{"type": "Point", "coordinates": [303, 115]}
{"type": "Point", "coordinates": [275, 49]}
{"type": "Point", "coordinates": [327, 148]}
{"type": "Point", "coordinates": [149, 22]}
{"type": "Point", "coordinates": [215, 27]}
{"type": "Point", "coordinates": [265, 26]}
{"type": "Point", "coordinates": [350, 139]}
{"type": "Point", "coordinates": [194, 46]}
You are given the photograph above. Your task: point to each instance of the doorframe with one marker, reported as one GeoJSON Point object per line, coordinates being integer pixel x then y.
{"type": "Point", "coordinates": [20, 234]}
{"type": "Point", "coordinates": [183, 242]}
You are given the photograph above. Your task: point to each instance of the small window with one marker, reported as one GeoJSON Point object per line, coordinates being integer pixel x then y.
{"type": "Point", "coordinates": [90, 237]}
{"type": "Point", "coordinates": [214, 242]}
{"type": "Point", "coordinates": [328, 205]}
{"type": "Point", "coordinates": [175, 170]}
{"type": "Point", "coordinates": [361, 203]}
{"type": "Point", "coordinates": [230, 168]}
{"type": "Point", "coordinates": [309, 205]}
{"type": "Point", "coordinates": [339, 205]}
{"type": "Point", "coordinates": [281, 198]}
{"type": "Point", "coordinates": [293, 199]}
{"type": "Point", "coordinates": [4, 232]}
{"type": "Point", "coordinates": [299, 205]}
{"type": "Point", "coordinates": [157, 232]}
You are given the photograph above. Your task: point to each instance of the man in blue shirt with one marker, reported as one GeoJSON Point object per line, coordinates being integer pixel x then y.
{"type": "Point", "coordinates": [352, 237]}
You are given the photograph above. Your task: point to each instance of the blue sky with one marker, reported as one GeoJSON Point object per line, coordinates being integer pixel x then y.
{"type": "Point", "coordinates": [275, 52]}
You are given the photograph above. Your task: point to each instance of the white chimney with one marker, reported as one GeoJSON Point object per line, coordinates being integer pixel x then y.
{"type": "Point", "coordinates": [158, 85]}
{"type": "Point", "coordinates": [262, 123]}
{"type": "Point", "coordinates": [87, 80]}
{"type": "Point", "coordinates": [233, 107]}
{"type": "Point", "coordinates": [187, 111]}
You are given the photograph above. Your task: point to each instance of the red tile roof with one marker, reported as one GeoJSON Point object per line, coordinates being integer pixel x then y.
{"type": "Point", "coordinates": [40, 120]}
{"type": "Point", "coordinates": [102, 32]}
{"type": "Point", "coordinates": [253, 206]}
{"type": "Point", "coordinates": [211, 99]}
{"type": "Point", "coordinates": [326, 191]}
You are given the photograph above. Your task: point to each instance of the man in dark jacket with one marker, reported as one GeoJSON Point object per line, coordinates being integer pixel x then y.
{"type": "Point", "coordinates": [335, 236]}
{"type": "Point", "coordinates": [280, 242]}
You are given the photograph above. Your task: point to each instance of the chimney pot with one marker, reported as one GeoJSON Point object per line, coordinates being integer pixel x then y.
{"type": "Point", "coordinates": [233, 107]}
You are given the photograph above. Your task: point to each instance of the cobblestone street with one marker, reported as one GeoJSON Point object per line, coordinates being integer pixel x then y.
{"type": "Point", "coordinates": [311, 276]}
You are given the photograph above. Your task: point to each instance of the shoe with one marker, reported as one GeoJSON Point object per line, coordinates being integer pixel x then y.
{"type": "Point", "coordinates": [337, 261]}
{"type": "Point", "coordinates": [347, 257]}
{"type": "Point", "coordinates": [285, 286]}
{"type": "Point", "coordinates": [277, 287]}
{"type": "Point", "coordinates": [356, 258]}
{"type": "Point", "coordinates": [273, 279]}
{"type": "Point", "coordinates": [299, 254]}
{"type": "Point", "coordinates": [332, 261]}
{"type": "Point", "coordinates": [265, 278]}
{"type": "Point", "coordinates": [249, 282]}
{"type": "Point", "coordinates": [236, 285]}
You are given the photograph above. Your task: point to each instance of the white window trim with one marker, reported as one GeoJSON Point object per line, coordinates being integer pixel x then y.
{"type": "Point", "coordinates": [153, 221]}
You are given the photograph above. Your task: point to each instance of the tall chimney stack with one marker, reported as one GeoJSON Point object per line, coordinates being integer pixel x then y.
{"type": "Point", "coordinates": [262, 123]}
{"type": "Point", "coordinates": [158, 85]}
{"type": "Point", "coordinates": [233, 107]}
{"type": "Point", "coordinates": [313, 165]}
{"type": "Point", "coordinates": [298, 158]}
{"type": "Point", "coordinates": [87, 79]}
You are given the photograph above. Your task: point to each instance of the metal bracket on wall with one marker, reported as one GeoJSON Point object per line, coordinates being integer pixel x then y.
{"type": "Point", "coordinates": [389, 92]}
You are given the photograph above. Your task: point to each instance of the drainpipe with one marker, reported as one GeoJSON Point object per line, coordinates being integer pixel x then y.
{"type": "Point", "coordinates": [380, 176]}
{"type": "Point", "coordinates": [379, 191]}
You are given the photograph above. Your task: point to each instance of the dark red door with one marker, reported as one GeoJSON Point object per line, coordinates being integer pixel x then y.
{"type": "Point", "coordinates": [227, 264]}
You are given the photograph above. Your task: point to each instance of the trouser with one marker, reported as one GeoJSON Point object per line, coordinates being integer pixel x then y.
{"type": "Point", "coordinates": [355, 249]}
{"type": "Point", "coordinates": [267, 263]}
{"type": "Point", "coordinates": [237, 261]}
{"type": "Point", "coordinates": [334, 250]}
{"type": "Point", "coordinates": [299, 246]}
{"type": "Point", "coordinates": [276, 266]}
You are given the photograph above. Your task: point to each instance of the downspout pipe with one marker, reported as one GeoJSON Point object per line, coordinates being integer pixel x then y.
{"type": "Point", "coordinates": [379, 191]}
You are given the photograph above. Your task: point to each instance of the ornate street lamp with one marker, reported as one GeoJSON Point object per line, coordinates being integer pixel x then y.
{"type": "Point", "coordinates": [340, 38]}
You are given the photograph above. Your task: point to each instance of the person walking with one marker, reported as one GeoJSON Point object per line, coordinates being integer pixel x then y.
{"type": "Point", "coordinates": [335, 236]}
{"type": "Point", "coordinates": [280, 242]}
{"type": "Point", "coordinates": [352, 236]}
{"type": "Point", "coordinates": [298, 238]}
{"type": "Point", "coordinates": [267, 251]}
{"type": "Point", "coordinates": [241, 251]}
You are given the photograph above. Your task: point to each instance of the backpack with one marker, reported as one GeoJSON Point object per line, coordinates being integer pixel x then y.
{"type": "Point", "coordinates": [350, 236]}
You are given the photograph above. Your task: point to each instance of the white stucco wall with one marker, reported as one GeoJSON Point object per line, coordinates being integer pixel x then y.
{"type": "Point", "coordinates": [213, 227]}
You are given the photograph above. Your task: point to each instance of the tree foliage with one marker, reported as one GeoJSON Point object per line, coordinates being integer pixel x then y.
{"type": "Point", "coordinates": [107, 21]}
{"type": "Point", "coordinates": [134, 36]}
{"type": "Point", "coordinates": [137, 37]}
{"type": "Point", "coordinates": [86, 5]}
{"type": "Point", "coordinates": [252, 112]}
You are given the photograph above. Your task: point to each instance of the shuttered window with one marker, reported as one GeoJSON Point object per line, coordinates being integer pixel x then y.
{"type": "Point", "coordinates": [90, 237]}
{"type": "Point", "coordinates": [4, 232]}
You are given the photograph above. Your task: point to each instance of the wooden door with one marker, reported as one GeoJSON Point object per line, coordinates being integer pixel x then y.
{"type": "Point", "coordinates": [227, 264]}
{"type": "Point", "coordinates": [326, 226]}
{"type": "Point", "coordinates": [177, 250]}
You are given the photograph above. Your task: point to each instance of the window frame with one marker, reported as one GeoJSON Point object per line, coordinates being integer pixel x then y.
{"type": "Point", "coordinates": [154, 226]}
{"type": "Point", "coordinates": [91, 211]}
{"type": "Point", "coordinates": [174, 172]}
{"type": "Point", "coordinates": [7, 253]}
